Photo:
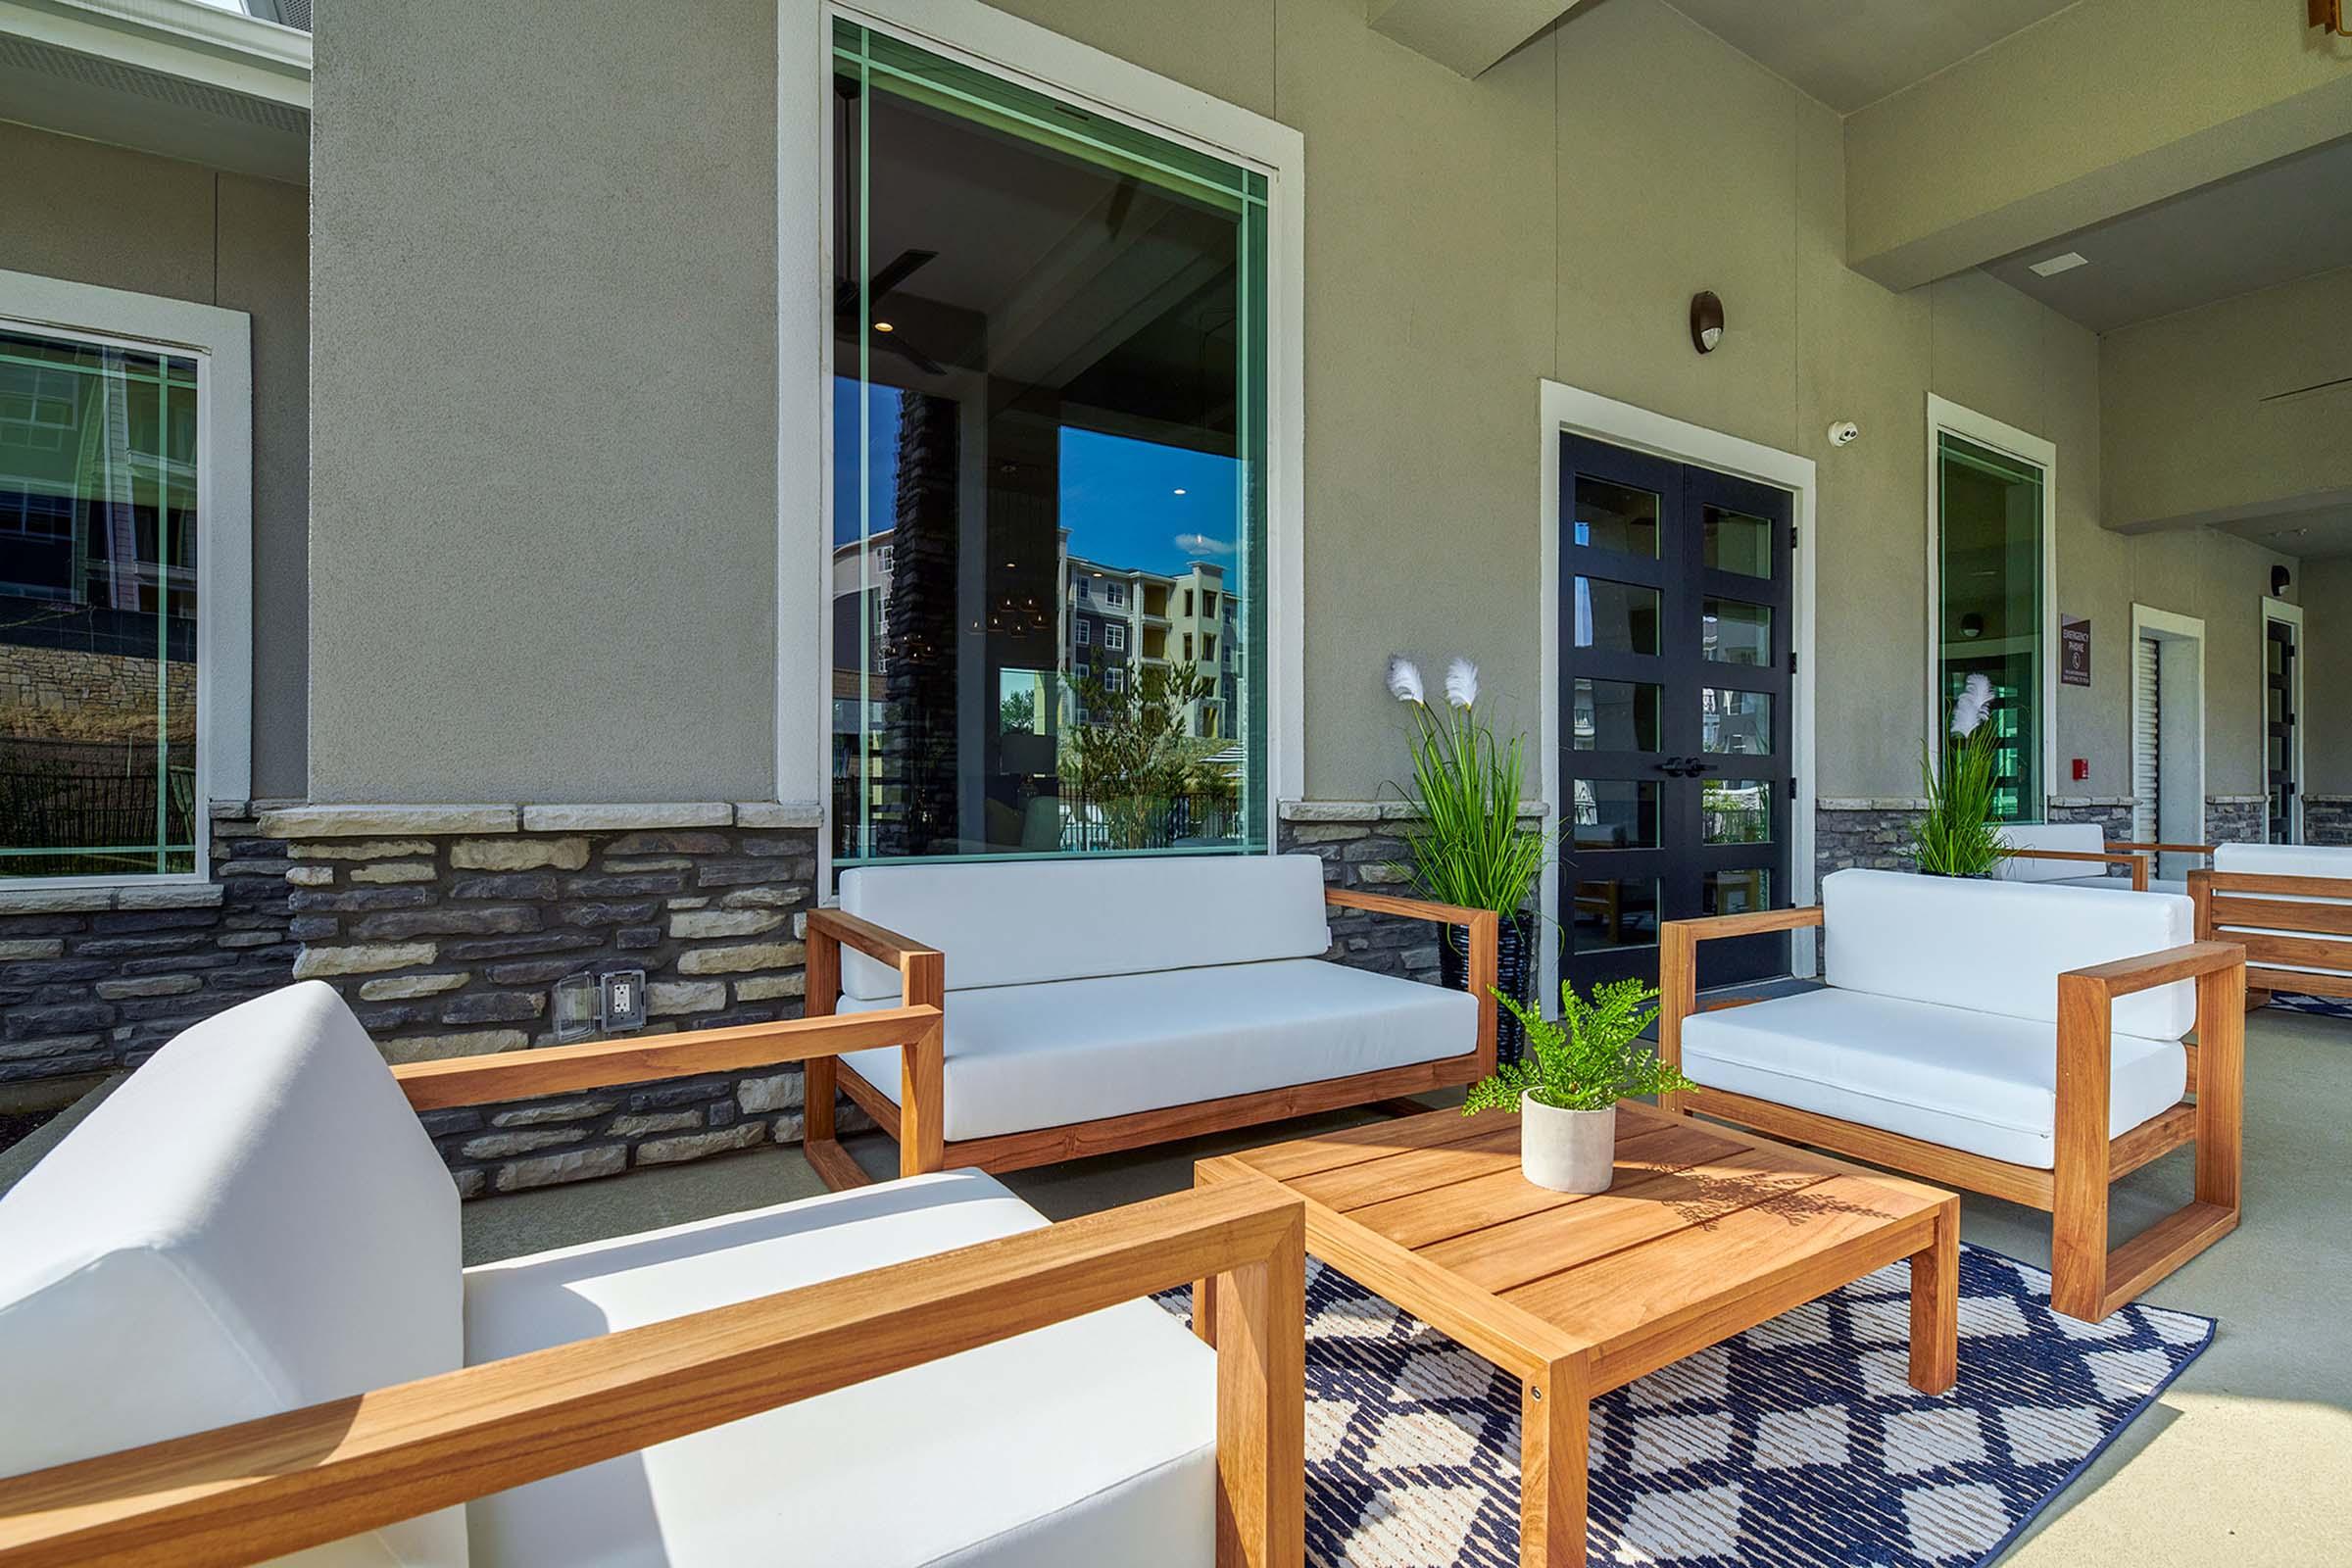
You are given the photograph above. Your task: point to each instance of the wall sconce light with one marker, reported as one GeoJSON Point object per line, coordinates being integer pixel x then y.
{"type": "Point", "coordinates": [2278, 582]}
{"type": "Point", "coordinates": [1972, 624]}
{"type": "Point", "coordinates": [1706, 321]}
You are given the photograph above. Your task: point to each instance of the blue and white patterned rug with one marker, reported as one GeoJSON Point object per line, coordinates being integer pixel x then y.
{"type": "Point", "coordinates": [1799, 1445]}
{"type": "Point", "coordinates": [2318, 1006]}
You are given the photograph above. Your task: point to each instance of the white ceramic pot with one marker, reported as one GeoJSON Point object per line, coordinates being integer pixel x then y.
{"type": "Point", "coordinates": [1567, 1150]}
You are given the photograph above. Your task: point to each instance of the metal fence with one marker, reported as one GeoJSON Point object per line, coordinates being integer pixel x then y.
{"type": "Point", "coordinates": [78, 810]}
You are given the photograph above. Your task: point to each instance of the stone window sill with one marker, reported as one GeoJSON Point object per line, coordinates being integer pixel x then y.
{"type": "Point", "coordinates": [149, 894]}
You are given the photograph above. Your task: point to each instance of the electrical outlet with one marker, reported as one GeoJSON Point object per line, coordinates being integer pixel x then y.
{"type": "Point", "coordinates": [621, 1000]}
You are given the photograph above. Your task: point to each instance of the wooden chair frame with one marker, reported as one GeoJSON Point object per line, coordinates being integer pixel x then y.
{"type": "Point", "coordinates": [914, 1119]}
{"type": "Point", "coordinates": [2138, 865]}
{"type": "Point", "coordinates": [2322, 932]}
{"type": "Point", "coordinates": [260, 1489]}
{"type": "Point", "coordinates": [2089, 1280]}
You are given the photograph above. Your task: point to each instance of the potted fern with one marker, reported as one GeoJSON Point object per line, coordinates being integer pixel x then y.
{"type": "Point", "coordinates": [1956, 834]}
{"type": "Point", "coordinates": [1566, 1091]}
{"type": "Point", "coordinates": [1465, 843]}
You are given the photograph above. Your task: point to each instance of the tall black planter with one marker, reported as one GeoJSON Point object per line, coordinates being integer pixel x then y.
{"type": "Point", "coordinates": [1514, 975]}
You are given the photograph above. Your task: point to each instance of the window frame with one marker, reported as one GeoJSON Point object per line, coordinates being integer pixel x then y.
{"type": "Point", "coordinates": [1034, 57]}
{"type": "Point", "coordinates": [1115, 636]}
{"type": "Point", "coordinates": [220, 341]}
{"type": "Point", "coordinates": [1084, 632]}
{"type": "Point", "coordinates": [1946, 416]}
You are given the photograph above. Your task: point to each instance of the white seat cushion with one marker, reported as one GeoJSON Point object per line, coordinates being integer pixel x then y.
{"type": "Point", "coordinates": [254, 1222]}
{"type": "Point", "coordinates": [2074, 838]}
{"type": "Point", "coordinates": [1999, 946]}
{"type": "Point", "coordinates": [1021, 1057]}
{"type": "Point", "coordinates": [1087, 1443]}
{"type": "Point", "coordinates": [1974, 1081]}
{"type": "Point", "coordinates": [1019, 922]}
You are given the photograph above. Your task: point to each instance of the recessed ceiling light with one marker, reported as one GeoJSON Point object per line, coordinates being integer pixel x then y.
{"type": "Point", "coordinates": [1180, 489]}
{"type": "Point", "coordinates": [2051, 266]}
{"type": "Point", "coordinates": [884, 326]}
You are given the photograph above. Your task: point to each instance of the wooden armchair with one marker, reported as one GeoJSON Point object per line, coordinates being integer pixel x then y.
{"type": "Point", "coordinates": [2090, 1281]}
{"type": "Point", "coordinates": [2136, 864]}
{"type": "Point", "coordinates": [2296, 926]}
{"type": "Point", "coordinates": [259, 1488]}
{"type": "Point", "coordinates": [914, 1117]}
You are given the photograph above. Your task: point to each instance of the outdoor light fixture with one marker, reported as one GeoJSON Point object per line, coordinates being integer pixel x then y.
{"type": "Point", "coordinates": [884, 326]}
{"type": "Point", "coordinates": [1706, 321]}
{"type": "Point", "coordinates": [1972, 624]}
{"type": "Point", "coordinates": [2278, 582]}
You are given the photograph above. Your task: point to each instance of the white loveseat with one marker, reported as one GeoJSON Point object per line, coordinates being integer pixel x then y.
{"type": "Point", "coordinates": [2077, 855]}
{"type": "Point", "coordinates": [1095, 1004]}
{"type": "Point", "coordinates": [2018, 1040]}
{"type": "Point", "coordinates": [255, 1223]}
{"type": "Point", "coordinates": [2288, 903]}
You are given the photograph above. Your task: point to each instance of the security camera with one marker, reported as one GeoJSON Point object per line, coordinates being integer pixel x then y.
{"type": "Point", "coordinates": [1845, 432]}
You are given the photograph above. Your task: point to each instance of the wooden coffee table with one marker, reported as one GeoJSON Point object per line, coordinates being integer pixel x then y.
{"type": "Point", "coordinates": [1707, 1232]}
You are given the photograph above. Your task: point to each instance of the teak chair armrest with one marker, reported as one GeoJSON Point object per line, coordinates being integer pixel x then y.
{"type": "Point", "coordinates": [260, 1489]}
{"type": "Point", "coordinates": [597, 1063]}
{"type": "Point", "coordinates": [922, 1074]}
{"type": "Point", "coordinates": [2191, 960]}
{"type": "Point", "coordinates": [1486, 945]}
{"type": "Point", "coordinates": [2165, 849]}
{"type": "Point", "coordinates": [2138, 864]}
{"type": "Point", "coordinates": [900, 953]}
{"type": "Point", "coordinates": [1677, 969]}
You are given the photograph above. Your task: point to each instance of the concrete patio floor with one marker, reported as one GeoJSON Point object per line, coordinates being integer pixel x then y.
{"type": "Point", "coordinates": [2246, 1459]}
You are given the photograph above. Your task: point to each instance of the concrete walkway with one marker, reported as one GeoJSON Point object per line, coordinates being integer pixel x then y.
{"type": "Point", "coordinates": [2247, 1459]}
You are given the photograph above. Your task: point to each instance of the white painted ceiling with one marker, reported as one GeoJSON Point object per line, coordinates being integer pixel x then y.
{"type": "Point", "coordinates": [2271, 225]}
{"type": "Point", "coordinates": [2317, 533]}
{"type": "Point", "coordinates": [1851, 53]}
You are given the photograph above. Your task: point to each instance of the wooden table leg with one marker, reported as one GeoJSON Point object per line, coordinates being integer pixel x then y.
{"type": "Point", "coordinates": [1554, 1432]}
{"type": "Point", "coordinates": [1936, 1305]}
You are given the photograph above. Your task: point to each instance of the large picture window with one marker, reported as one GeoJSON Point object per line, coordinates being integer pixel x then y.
{"type": "Point", "coordinates": [1050, 396]}
{"type": "Point", "coordinates": [1990, 576]}
{"type": "Point", "coordinates": [98, 607]}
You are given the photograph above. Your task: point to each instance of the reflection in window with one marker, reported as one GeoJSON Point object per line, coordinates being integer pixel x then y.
{"type": "Point", "coordinates": [1615, 815]}
{"type": "Point", "coordinates": [1049, 397]}
{"type": "Point", "coordinates": [1615, 716]}
{"type": "Point", "coordinates": [1736, 633]}
{"type": "Point", "coordinates": [98, 535]}
{"type": "Point", "coordinates": [1614, 912]}
{"type": "Point", "coordinates": [1617, 617]}
{"type": "Point", "coordinates": [1742, 892]}
{"type": "Point", "coordinates": [1739, 724]}
{"type": "Point", "coordinates": [1735, 810]}
{"type": "Point", "coordinates": [1733, 541]}
{"type": "Point", "coordinates": [1990, 618]}
{"type": "Point", "coordinates": [1616, 516]}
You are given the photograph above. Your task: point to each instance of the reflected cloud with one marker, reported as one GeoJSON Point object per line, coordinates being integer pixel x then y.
{"type": "Point", "coordinates": [1200, 543]}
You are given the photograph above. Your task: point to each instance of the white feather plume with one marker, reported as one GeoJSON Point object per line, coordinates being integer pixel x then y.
{"type": "Point", "coordinates": [1461, 683]}
{"type": "Point", "coordinates": [1970, 707]}
{"type": "Point", "coordinates": [1405, 681]}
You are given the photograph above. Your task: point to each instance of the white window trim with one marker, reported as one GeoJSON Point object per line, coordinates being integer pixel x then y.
{"type": "Point", "coordinates": [2025, 446]}
{"type": "Point", "coordinates": [1022, 51]}
{"type": "Point", "coordinates": [1114, 637]}
{"type": "Point", "coordinates": [1577, 412]}
{"type": "Point", "coordinates": [2166, 626]}
{"type": "Point", "coordinates": [222, 342]}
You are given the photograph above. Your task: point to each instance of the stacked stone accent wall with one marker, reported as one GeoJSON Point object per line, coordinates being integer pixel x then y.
{"type": "Point", "coordinates": [2234, 818]}
{"type": "Point", "coordinates": [75, 694]}
{"type": "Point", "coordinates": [2328, 819]}
{"type": "Point", "coordinates": [1872, 831]}
{"type": "Point", "coordinates": [93, 979]}
{"type": "Point", "coordinates": [2112, 812]}
{"type": "Point", "coordinates": [448, 927]}
{"type": "Point", "coordinates": [1358, 844]}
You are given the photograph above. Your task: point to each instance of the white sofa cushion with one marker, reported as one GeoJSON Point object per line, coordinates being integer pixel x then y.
{"type": "Point", "coordinates": [1087, 1443]}
{"type": "Point", "coordinates": [1018, 922]}
{"type": "Point", "coordinates": [253, 1222]}
{"type": "Point", "coordinates": [1021, 1057]}
{"type": "Point", "coordinates": [1971, 1081]}
{"type": "Point", "coordinates": [1999, 946]}
{"type": "Point", "coordinates": [2078, 838]}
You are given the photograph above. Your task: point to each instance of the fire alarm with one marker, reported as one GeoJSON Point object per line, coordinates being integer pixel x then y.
{"type": "Point", "coordinates": [2082, 768]}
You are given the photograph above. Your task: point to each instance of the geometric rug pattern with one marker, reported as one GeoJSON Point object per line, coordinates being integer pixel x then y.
{"type": "Point", "coordinates": [1800, 1443]}
{"type": "Point", "coordinates": [2323, 1007]}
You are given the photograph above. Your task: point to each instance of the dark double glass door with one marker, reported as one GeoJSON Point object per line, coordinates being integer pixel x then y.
{"type": "Point", "coordinates": [1675, 615]}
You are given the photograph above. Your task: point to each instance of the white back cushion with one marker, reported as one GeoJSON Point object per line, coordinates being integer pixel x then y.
{"type": "Point", "coordinates": [251, 1223]}
{"type": "Point", "coordinates": [1018, 922]}
{"type": "Point", "coordinates": [1999, 946]}
{"type": "Point", "coordinates": [2284, 859]}
{"type": "Point", "coordinates": [2087, 838]}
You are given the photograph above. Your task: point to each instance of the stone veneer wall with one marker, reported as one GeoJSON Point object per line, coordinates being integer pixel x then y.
{"type": "Point", "coordinates": [447, 928]}
{"type": "Point", "coordinates": [2234, 818]}
{"type": "Point", "coordinates": [2328, 819]}
{"type": "Point", "coordinates": [93, 979]}
{"type": "Point", "coordinates": [1357, 841]}
{"type": "Point", "coordinates": [74, 694]}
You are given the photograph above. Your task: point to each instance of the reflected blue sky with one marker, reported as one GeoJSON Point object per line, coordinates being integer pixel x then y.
{"type": "Point", "coordinates": [1120, 497]}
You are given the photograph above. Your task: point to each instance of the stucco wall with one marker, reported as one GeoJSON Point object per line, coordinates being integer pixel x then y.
{"type": "Point", "coordinates": [600, 359]}
{"type": "Point", "coordinates": [101, 215]}
{"type": "Point", "coordinates": [544, 509]}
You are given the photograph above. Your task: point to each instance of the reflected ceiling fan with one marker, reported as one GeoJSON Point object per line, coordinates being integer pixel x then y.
{"type": "Point", "coordinates": [848, 319]}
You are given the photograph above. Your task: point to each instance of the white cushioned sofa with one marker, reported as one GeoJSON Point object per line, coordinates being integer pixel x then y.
{"type": "Point", "coordinates": [2009, 1038]}
{"type": "Point", "coordinates": [256, 1224]}
{"type": "Point", "coordinates": [2291, 906]}
{"type": "Point", "coordinates": [2077, 855]}
{"type": "Point", "coordinates": [1095, 1004]}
